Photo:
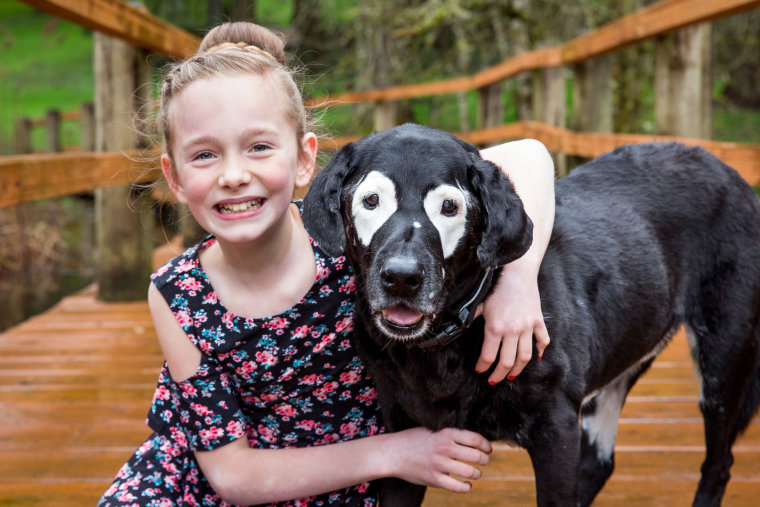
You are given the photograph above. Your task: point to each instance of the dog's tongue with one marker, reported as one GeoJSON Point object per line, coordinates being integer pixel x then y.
{"type": "Point", "coordinates": [402, 315]}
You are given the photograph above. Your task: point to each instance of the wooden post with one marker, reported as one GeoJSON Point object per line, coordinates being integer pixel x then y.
{"type": "Point", "coordinates": [87, 127]}
{"type": "Point", "coordinates": [490, 106]}
{"type": "Point", "coordinates": [592, 95]}
{"type": "Point", "coordinates": [683, 82]}
{"type": "Point", "coordinates": [385, 114]}
{"type": "Point", "coordinates": [550, 107]}
{"type": "Point", "coordinates": [22, 136]}
{"type": "Point", "coordinates": [123, 226]}
{"type": "Point", "coordinates": [14, 283]}
{"type": "Point", "coordinates": [53, 131]}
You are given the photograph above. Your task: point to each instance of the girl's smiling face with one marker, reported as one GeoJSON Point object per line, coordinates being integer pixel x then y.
{"type": "Point", "coordinates": [235, 156]}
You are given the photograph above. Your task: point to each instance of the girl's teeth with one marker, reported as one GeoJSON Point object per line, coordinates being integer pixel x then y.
{"type": "Point", "coordinates": [241, 206]}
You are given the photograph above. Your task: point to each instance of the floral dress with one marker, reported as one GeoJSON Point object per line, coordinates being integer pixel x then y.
{"type": "Point", "coordinates": [291, 380]}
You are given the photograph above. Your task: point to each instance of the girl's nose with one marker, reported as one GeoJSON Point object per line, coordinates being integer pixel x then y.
{"type": "Point", "coordinates": [234, 175]}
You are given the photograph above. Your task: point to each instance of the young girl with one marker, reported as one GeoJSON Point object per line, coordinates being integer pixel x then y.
{"type": "Point", "coordinates": [255, 320]}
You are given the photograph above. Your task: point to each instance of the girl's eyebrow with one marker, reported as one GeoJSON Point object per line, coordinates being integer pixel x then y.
{"type": "Point", "coordinates": [258, 131]}
{"type": "Point", "coordinates": [201, 140]}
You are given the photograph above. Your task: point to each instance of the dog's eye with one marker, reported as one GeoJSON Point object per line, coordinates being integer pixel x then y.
{"type": "Point", "coordinates": [371, 201]}
{"type": "Point", "coordinates": [449, 208]}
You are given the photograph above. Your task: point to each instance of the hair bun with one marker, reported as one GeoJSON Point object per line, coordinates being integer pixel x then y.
{"type": "Point", "coordinates": [249, 34]}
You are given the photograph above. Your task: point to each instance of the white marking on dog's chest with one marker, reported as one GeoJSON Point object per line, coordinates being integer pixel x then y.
{"type": "Point", "coordinates": [373, 203]}
{"type": "Point", "coordinates": [446, 207]}
{"type": "Point", "coordinates": [601, 425]}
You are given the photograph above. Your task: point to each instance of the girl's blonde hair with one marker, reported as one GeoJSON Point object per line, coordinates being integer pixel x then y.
{"type": "Point", "coordinates": [235, 48]}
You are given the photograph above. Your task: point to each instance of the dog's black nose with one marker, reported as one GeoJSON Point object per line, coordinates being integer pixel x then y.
{"type": "Point", "coordinates": [402, 276]}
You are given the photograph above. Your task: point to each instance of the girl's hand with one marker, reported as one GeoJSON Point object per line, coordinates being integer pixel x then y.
{"type": "Point", "coordinates": [513, 317]}
{"type": "Point", "coordinates": [438, 459]}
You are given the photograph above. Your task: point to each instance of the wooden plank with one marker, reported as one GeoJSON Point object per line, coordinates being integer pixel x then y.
{"type": "Point", "coordinates": [129, 23]}
{"type": "Point", "coordinates": [25, 178]}
{"type": "Point", "coordinates": [77, 380]}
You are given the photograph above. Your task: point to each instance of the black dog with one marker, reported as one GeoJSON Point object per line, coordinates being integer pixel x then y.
{"type": "Point", "coordinates": [646, 238]}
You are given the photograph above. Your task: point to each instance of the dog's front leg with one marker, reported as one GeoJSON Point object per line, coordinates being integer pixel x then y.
{"type": "Point", "coordinates": [554, 450]}
{"type": "Point", "coordinates": [396, 492]}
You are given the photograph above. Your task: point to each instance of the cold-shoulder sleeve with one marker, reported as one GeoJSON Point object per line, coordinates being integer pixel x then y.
{"type": "Point", "coordinates": [202, 411]}
{"type": "Point", "coordinates": [203, 408]}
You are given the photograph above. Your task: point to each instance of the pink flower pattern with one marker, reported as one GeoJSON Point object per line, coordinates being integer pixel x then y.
{"type": "Point", "coordinates": [290, 380]}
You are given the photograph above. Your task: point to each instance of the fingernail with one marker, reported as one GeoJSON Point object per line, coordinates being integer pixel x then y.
{"type": "Point", "coordinates": [541, 357]}
{"type": "Point", "coordinates": [492, 382]}
{"type": "Point", "coordinates": [511, 377]}
{"type": "Point", "coordinates": [478, 372]}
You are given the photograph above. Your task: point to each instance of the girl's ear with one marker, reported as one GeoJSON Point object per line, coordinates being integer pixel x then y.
{"type": "Point", "coordinates": [171, 178]}
{"type": "Point", "coordinates": [307, 160]}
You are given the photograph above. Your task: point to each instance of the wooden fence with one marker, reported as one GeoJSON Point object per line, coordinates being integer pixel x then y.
{"type": "Point", "coordinates": [125, 29]}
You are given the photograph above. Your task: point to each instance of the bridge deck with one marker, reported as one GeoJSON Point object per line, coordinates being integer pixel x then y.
{"type": "Point", "coordinates": [76, 382]}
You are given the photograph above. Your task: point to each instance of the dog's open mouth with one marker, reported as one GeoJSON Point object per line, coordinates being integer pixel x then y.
{"type": "Point", "coordinates": [401, 322]}
{"type": "Point", "coordinates": [401, 316]}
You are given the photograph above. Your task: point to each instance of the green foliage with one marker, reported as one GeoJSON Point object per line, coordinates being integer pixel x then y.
{"type": "Point", "coordinates": [46, 63]}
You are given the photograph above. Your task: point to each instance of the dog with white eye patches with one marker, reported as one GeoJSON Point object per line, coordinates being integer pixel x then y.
{"type": "Point", "coordinates": [646, 238]}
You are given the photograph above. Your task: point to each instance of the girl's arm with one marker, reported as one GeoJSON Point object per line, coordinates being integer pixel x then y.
{"type": "Point", "coordinates": [241, 475]}
{"type": "Point", "coordinates": [513, 311]}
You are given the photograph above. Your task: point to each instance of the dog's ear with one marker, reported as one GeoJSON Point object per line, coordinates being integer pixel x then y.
{"type": "Point", "coordinates": [507, 230]}
{"type": "Point", "coordinates": [321, 205]}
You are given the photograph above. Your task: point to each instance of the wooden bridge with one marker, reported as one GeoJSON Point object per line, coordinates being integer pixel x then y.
{"type": "Point", "coordinates": [76, 383]}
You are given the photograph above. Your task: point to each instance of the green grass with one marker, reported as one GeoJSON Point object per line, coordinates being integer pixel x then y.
{"type": "Point", "coordinates": [46, 63]}
{"type": "Point", "coordinates": [737, 126]}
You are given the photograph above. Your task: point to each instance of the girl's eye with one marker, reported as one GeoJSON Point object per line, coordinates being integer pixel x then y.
{"type": "Point", "coordinates": [371, 201]}
{"type": "Point", "coordinates": [260, 147]}
{"type": "Point", "coordinates": [449, 208]}
{"type": "Point", "coordinates": [204, 155]}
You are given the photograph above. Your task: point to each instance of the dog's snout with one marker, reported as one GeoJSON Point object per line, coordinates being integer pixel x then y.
{"type": "Point", "coordinates": [402, 276]}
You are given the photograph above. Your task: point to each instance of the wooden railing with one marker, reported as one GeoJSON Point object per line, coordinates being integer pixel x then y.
{"type": "Point", "coordinates": [124, 21]}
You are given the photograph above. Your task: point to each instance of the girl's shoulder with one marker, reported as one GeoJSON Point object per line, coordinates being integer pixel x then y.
{"type": "Point", "coordinates": [184, 265]}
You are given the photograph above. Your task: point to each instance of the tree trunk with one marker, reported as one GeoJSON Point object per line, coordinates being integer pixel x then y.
{"type": "Point", "coordinates": [123, 218]}
{"type": "Point", "coordinates": [683, 83]}
{"type": "Point", "coordinates": [374, 48]}
{"type": "Point", "coordinates": [592, 103]}
{"type": "Point", "coordinates": [549, 106]}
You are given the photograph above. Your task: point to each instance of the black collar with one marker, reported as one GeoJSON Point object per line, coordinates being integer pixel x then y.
{"type": "Point", "coordinates": [464, 313]}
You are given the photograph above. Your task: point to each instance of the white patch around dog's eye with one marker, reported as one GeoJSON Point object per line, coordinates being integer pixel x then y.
{"type": "Point", "coordinates": [373, 203]}
{"type": "Point", "coordinates": [446, 207]}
